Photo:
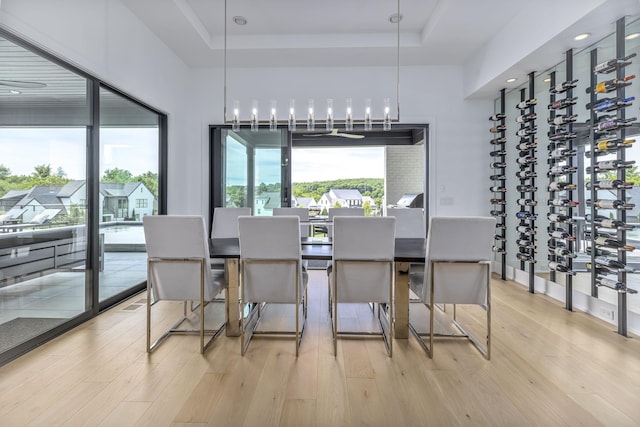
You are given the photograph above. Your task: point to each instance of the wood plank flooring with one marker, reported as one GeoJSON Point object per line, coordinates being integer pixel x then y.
{"type": "Point", "coordinates": [549, 367]}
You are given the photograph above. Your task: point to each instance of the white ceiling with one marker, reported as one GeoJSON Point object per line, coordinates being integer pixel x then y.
{"type": "Point", "coordinates": [301, 33]}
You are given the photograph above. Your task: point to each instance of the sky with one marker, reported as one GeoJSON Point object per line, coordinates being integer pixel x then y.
{"type": "Point", "coordinates": [307, 164]}
{"type": "Point", "coordinates": [132, 149]}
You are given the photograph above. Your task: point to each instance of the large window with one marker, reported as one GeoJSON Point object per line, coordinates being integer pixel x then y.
{"type": "Point", "coordinates": [70, 235]}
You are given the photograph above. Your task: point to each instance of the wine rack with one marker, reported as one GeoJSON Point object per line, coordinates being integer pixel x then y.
{"type": "Point", "coordinates": [608, 199]}
{"type": "Point", "coordinates": [527, 161]}
{"type": "Point", "coordinates": [561, 229]}
{"type": "Point", "coordinates": [498, 185]}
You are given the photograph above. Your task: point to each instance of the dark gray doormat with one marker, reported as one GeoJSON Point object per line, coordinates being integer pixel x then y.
{"type": "Point", "coordinates": [21, 329]}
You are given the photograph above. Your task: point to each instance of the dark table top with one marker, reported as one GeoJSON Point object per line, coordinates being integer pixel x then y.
{"type": "Point", "coordinates": [407, 250]}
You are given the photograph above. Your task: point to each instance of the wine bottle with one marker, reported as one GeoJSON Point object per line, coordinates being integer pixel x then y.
{"type": "Point", "coordinates": [527, 131]}
{"type": "Point", "coordinates": [553, 265]}
{"type": "Point", "coordinates": [611, 242]}
{"type": "Point", "coordinates": [499, 238]}
{"type": "Point", "coordinates": [612, 124]}
{"type": "Point", "coordinates": [612, 64]}
{"type": "Point", "coordinates": [613, 223]}
{"type": "Point", "coordinates": [560, 153]}
{"type": "Point", "coordinates": [527, 145]}
{"type": "Point", "coordinates": [612, 263]}
{"type": "Point", "coordinates": [525, 243]}
{"type": "Point", "coordinates": [609, 184]}
{"type": "Point", "coordinates": [497, 202]}
{"type": "Point", "coordinates": [526, 215]}
{"type": "Point", "coordinates": [614, 104]}
{"type": "Point", "coordinates": [496, 141]}
{"type": "Point", "coordinates": [565, 203]}
{"type": "Point", "coordinates": [496, 165]}
{"type": "Point", "coordinates": [611, 204]}
{"type": "Point", "coordinates": [526, 118]}
{"type": "Point", "coordinates": [527, 160]}
{"type": "Point", "coordinates": [561, 186]}
{"type": "Point", "coordinates": [525, 257]}
{"type": "Point", "coordinates": [497, 177]}
{"type": "Point", "coordinates": [562, 251]}
{"type": "Point", "coordinates": [563, 87]}
{"type": "Point", "coordinates": [555, 217]}
{"type": "Point", "coordinates": [525, 229]}
{"type": "Point", "coordinates": [611, 85]}
{"type": "Point", "coordinates": [599, 252]}
{"type": "Point", "coordinates": [612, 144]}
{"type": "Point", "coordinates": [561, 234]}
{"type": "Point", "coordinates": [562, 103]}
{"type": "Point", "coordinates": [526, 174]}
{"type": "Point", "coordinates": [497, 213]}
{"type": "Point", "coordinates": [526, 202]}
{"type": "Point", "coordinates": [497, 116]}
{"type": "Point", "coordinates": [498, 129]}
{"type": "Point", "coordinates": [610, 283]}
{"type": "Point", "coordinates": [608, 165]}
{"type": "Point", "coordinates": [526, 188]}
{"type": "Point", "coordinates": [598, 269]}
{"type": "Point", "coordinates": [497, 153]}
{"type": "Point", "coordinates": [561, 170]}
{"type": "Point", "coordinates": [498, 250]}
{"type": "Point", "coordinates": [497, 189]}
{"type": "Point", "coordinates": [561, 136]}
{"type": "Point", "coordinates": [561, 120]}
{"type": "Point", "coordinates": [528, 103]}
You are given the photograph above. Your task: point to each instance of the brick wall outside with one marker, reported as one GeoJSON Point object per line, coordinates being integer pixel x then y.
{"type": "Point", "coordinates": [404, 171]}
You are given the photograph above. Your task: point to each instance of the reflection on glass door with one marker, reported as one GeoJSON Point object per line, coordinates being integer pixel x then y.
{"type": "Point", "coordinates": [129, 138]}
{"type": "Point", "coordinates": [254, 173]}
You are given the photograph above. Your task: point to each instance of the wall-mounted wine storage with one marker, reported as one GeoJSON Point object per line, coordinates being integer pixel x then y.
{"type": "Point", "coordinates": [607, 220]}
{"type": "Point", "coordinates": [561, 203]}
{"type": "Point", "coordinates": [527, 161]}
{"type": "Point", "coordinates": [498, 185]}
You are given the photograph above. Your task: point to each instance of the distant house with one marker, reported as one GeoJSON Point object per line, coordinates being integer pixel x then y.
{"type": "Point", "coordinates": [129, 200]}
{"type": "Point", "coordinates": [40, 204]}
{"type": "Point", "coordinates": [265, 202]}
{"type": "Point", "coordinates": [345, 198]}
{"type": "Point", "coordinates": [306, 202]}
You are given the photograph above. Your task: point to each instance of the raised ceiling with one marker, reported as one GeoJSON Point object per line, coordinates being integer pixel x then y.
{"type": "Point", "coordinates": [303, 33]}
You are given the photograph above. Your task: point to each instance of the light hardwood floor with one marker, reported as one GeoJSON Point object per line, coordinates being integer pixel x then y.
{"type": "Point", "coordinates": [549, 367]}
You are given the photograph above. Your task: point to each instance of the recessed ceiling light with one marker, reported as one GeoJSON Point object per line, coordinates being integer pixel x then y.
{"type": "Point", "coordinates": [15, 92]}
{"type": "Point", "coordinates": [395, 18]}
{"type": "Point", "coordinates": [632, 36]}
{"type": "Point", "coordinates": [240, 20]}
{"type": "Point", "coordinates": [581, 36]}
{"type": "Point", "coordinates": [511, 80]}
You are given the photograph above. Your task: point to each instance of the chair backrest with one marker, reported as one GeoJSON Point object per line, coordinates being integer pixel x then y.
{"type": "Point", "coordinates": [225, 221]}
{"type": "Point", "coordinates": [366, 239]}
{"type": "Point", "coordinates": [274, 241]}
{"type": "Point", "coordinates": [409, 222]}
{"type": "Point", "coordinates": [177, 237]}
{"type": "Point", "coordinates": [301, 213]}
{"type": "Point", "coordinates": [467, 239]}
{"type": "Point", "coordinates": [333, 212]}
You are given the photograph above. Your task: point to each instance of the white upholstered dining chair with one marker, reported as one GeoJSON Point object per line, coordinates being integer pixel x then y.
{"type": "Point", "coordinates": [225, 226]}
{"type": "Point", "coordinates": [410, 223]}
{"type": "Point", "coordinates": [302, 213]}
{"type": "Point", "coordinates": [178, 270]}
{"type": "Point", "coordinates": [457, 271]}
{"type": "Point", "coordinates": [270, 272]}
{"type": "Point", "coordinates": [333, 212]}
{"type": "Point", "coordinates": [362, 269]}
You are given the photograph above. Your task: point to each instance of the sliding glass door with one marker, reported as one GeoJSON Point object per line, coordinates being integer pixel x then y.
{"type": "Point", "coordinates": [251, 169]}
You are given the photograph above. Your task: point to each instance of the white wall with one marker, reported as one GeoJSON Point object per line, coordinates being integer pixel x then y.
{"type": "Point", "coordinates": [104, 38]}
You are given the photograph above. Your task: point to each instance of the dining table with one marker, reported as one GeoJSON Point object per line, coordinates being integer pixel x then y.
{"type": "Point", "coordinates": [407, 250]}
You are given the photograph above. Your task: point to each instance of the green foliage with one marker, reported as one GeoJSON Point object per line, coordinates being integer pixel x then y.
{"type": "Point", "coordinates": [236, 195]}
{"type": "Point", "coordinates": [367, 208]}
{"type": "Point", "coordinates": [631, 175]}
{"type": "Point", "coordinates": [42, 171]}
{"type": "Point", "coordinates": [372, 187]}
{"type": "Point", "coordinates": [117, 175]}
{"type": "Point", "coordinates": [4, 171]}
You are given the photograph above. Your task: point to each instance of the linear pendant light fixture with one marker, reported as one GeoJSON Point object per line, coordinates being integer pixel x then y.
{"type": "Point", "coordinates": [330, 116]}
